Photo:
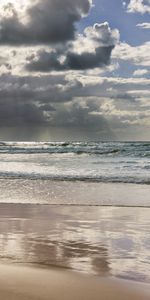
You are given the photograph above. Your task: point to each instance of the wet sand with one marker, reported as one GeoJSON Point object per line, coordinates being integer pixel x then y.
{"type": "Point", "coordinates": [26, 283]}
{"type": "Point", "coordinates": [102, 241]}
{"type": "Point", "coordinates": [53, 192]}
{"type": "Point", "coordinates": [110, 245]}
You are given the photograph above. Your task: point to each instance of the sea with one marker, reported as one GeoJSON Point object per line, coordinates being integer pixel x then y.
{"type": "Point", "coordinates": [126, 162]}
{"type": "Point", "coordinates": [75, 173]}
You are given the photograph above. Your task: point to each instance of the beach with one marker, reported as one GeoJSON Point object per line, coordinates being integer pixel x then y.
{"type": "Point", "coordinates": [32, 283]}
{"type": "Point", "coordinates": [74, 221]}
{"type": "Point", "coordinates": [73, 192]}
{"type": "Point", "coordinates": [74, 252]}
{"type": "Point", "coordinates": [101, 241]}
{"type": "Point", "coordinates": [74, 150]}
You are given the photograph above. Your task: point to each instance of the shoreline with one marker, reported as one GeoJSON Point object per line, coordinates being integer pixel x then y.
{"type": "Point", "coordinates": [79, 193]}
{"type": "Point", "coordinates": [24, 282]}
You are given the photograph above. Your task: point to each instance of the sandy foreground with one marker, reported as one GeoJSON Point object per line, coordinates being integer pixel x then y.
{"type": "Point", "coordinates": [105, 241]}
{"type": "Point", "coordinates": [22, 283]}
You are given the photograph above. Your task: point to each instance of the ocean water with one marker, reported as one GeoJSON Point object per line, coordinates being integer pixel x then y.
{"type": "Point", "coordinates": [127, 162]}
{"type": "Point", "coordinates": [75, 173]}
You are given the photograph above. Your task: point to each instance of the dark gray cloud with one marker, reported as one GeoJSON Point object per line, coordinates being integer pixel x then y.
{"type": "Point", "coordinates": [45, 90]}
{"type": "Point", "coordinates": [86, 105]}
{"type": "Point", "coordinates": [50, 61]}
{"type": "Point", "coordinates": [30, 101]}
{"type": "Point", "coordinates": [15, 113]}
{"type": "Point", "coordinates": [25, 104]}
{"type": "Point", "coordinates": [90, 50]}
{"type": "Point", "coordinates": [44, 62]}
{"type": "Point", "coordinates": [47, 108]}
{"type": "Point", "coordinates": [49, 21]}
{"type": "Point", "coordinates": [87, 60]}
{"type": "Point", "coordinates": [86, 108]}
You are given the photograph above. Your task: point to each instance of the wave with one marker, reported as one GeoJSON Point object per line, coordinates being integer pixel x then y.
{"type": "Point", "coordinates": [138, 149]}
{"type": "Point", "coordinates": [103, 179]}
{"type": "Point", "coordinates": [70, 161]}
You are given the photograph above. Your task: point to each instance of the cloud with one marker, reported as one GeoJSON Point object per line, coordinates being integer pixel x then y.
{"type": "Point", "coordinates": [90, 50]}
{"type": "Point", "coordinates": [48, 21]}
{"type": "Point", "coordinates": [48, 104]}
{"type": "Point", "coordinates": [15, 113]}
{"type": "Point", "coordinates": [91, 107]}
{"type": "Point", "coordinates": [140, 72]}
{"type": "Point", "coordinates": [87, 60]}
{"type": "Point", "coordinates": [138, 55]}
{"type": "Point", "coordinates": [77, 117]}
{"type": "Point", "coordinates": [144, 25]}
{"type": "Point", "coordinates": [47, 108]}
{"type": "Point", "coordinates": [58, 81]}
{"type": "Point", "coordinates": [139, 6]}
{"type": "Point", "coordinates": [46, 61]}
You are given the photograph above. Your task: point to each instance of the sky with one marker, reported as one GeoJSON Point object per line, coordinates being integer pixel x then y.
{"type": "Point", "coordinates": [74, 70]}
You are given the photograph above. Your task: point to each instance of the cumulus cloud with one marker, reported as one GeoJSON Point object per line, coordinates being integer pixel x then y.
{"type": "Point", "coordinates": [80, 57]}
{"type": "Point", "coordinates": [85, 108]}
{"type": "Point", "coordinates": [48, 21]}
{"type": "Point", "coordinates": [102, 34]}
{"type": "Point", "coordinates": [140, 72]}
{"type": "Point", "coordinates": [46, 61]}
{"type": "Point", "coordinates": [49, 103]}
{"type": "Point", "coordinates": [88, 104]}
{"type": "Point", "coordinates": [139, 6]}
{"type": "Point", "coordinates": [80, 100]}
{"type": "Point", "coordinates": [143, 25]}
{"type": "Point", "coordinates": [138, 55]}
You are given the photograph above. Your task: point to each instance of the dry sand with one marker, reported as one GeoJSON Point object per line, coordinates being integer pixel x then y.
{"type": "Point", "coordinates": [25, 283]}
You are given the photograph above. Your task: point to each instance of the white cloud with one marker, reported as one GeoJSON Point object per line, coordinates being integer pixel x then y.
{"type": "Point", "coordinates": [144, 25]}
{"type": "Point", "coordinates": [102, 33]}
{"type": "Point", "coordinates": [139, 6]}
{"type": "Point", "coordinates": [95, 36]}
{"type": "Point", "coordinates": [140, 72]}
{"type": "Point", "coordinates": [124, 4]}
{"type": "Point", "coordinates": [139, 55]}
